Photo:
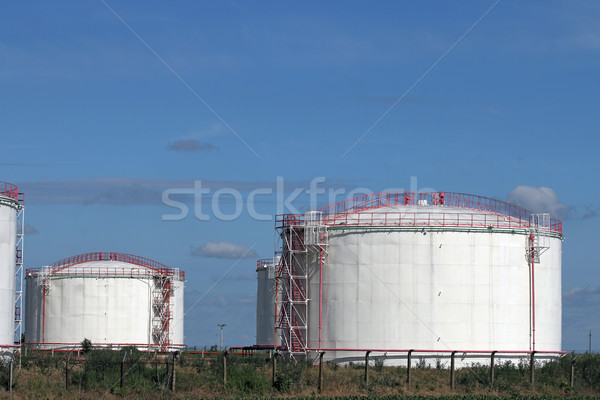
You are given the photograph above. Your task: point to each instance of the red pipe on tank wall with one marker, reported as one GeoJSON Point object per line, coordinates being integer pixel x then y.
{"type": "Point", "coordinates": [532, 242]}
{"type": "Point", "coordinates": [44, 311]}
{"type": "Point", "coordinates": [320, 294]}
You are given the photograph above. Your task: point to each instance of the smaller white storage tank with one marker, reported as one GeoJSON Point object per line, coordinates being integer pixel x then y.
{"type": "Point", "coordinates": [266, 304]}
{"type": "Point", "coordinates": [112, 299]}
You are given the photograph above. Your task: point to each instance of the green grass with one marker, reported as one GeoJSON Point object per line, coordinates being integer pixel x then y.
{"type": "Point", "coordinates": [97, 374]}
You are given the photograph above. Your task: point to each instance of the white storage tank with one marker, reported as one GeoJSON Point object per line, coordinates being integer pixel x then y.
{"type": "Point", "coordinates": [9, 207]}
{"type": "Point", "coordinates": [112, 299]}
{"type": "Point", "coordinates": [266, 304]}
{"type": "Point", "coordinates": [430, 272]}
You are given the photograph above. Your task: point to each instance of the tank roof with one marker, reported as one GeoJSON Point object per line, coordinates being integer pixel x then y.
{"type": "Point", "coordinates": [107, 263]}
{"type": "Point", "coordinates": [417, 209]}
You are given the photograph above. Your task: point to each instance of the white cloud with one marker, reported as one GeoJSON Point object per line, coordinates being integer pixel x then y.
{"type": "Point", "coordinates": [30, 230]}
{"type": "Point", "coordinates": [132, 191]}
{"type": "Point", "coordinates": [191, 145]}
{"type": "Point", "coordinates": [582, 297]}
{"type": "Point", "coordinates": [223, 249]}
{"type": "Point", "coordinates": [539, 199]}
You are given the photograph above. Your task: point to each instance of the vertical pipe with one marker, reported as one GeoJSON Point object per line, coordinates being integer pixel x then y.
{"type": "Point", "coordinates": [408, 364]}
{"type": "Point", "coordinates": [532, 368]}
{"type": "Point", "coordinates": [532, 242]}
{"type": "Point", "coordinates": [367, 368]}
{"type": "Point", "coordinates": [492, 362]}
{"type": "Point", "coordinates": [321, 372]}
{"type": "Point", "coordinates": [320, 294]}
{"type": "Point", "coordinates": [452, 370]}
{"type": "Point", "coordinates": [44, 312]}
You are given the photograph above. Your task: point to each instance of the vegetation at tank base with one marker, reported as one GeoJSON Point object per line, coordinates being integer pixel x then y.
{"type": "Point", "coordinates": [97, 373]}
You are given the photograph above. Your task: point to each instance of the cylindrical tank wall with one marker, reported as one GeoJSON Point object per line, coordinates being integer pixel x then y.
{"type": "Point", "coordinates": [434, 290]}
{"type": "Point", "coordinates": [177, 338]}
{"type": "Point", "coordinates": [265, 307]}
{"type": "Point", "coordinates": [8, 238]}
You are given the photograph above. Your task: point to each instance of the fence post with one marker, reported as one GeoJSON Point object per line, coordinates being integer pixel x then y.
{"type": "Point", "coordinates": [156, 365]}
{"type": "Point", "coordinates": [67, 371]}
{"type": "Point", "coordinates": [225, 369]}
{"type": "Point", "coordinates": [572, 377]}
{"type": "Point", "coordinates": [321, 371]}
{"type": "Point", "coordinates": [168, 372]}
{"type": "Point", "coordinates": [123, 370]}
{"type": "Point", "coordinates": [367, 368]}
{"type": "Point", "coordinates": [274, 362]}
{"type": "Point", "coordinates": [85, 380]}
{"type": "Point", "coordinates": [532, 368]}
{"type": "Point", "coordinates": [408, 365]}
{"type": "Point", "coordinates": [452, 370]}
{"type": "Point", "coordinates": [492, 362]}
{"type": "Point", "coordinates": [10, 376]}
{"type": "Point", "coordinates": [173, 373]}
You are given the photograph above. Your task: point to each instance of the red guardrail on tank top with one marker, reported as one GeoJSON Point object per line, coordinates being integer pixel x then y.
{"type": "Point", "coordinates": [518, 216]}
{"type": "Point", "coordinates": [155, 267]}
{"type": "Point", "coordinates": [9, 190]}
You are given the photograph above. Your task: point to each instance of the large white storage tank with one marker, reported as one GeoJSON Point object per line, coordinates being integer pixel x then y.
{"type": "Point", "coordinates": [112, 299]}
{"type": "Point", "coordinates": [266, 301]}
{"type": "Point", "coordinates": [9, 208]}
{"type": "Point", "coordinates": [429, 272]}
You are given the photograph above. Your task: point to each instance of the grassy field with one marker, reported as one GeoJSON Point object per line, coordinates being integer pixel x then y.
{"type": "Point", "coordinates": [97, 374]}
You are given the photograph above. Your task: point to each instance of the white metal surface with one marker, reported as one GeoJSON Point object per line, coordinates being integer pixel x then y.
{"type": "Point", "coordinates": [265, 306]}
{"type": "Point", "coordinates": [432, 288]}
{"type": "Point", "coordinates": [8, 238]}
{"type": "Point", "coordinates": [107, 302]}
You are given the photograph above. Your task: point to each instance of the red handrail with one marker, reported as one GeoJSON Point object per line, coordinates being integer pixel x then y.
{"type": "Point", "coordinates": [64, 264]}
{"type": "Point", "coordinates": [9, 190]}
{"type": "Point", "coordinates": [264, 262]}
{"type": "Point", "coordinates": [333, 212]}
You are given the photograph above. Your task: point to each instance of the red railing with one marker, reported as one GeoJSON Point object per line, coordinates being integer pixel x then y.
{"type": "Point", "coordinates": [263, 263]}
{"type": "Point", "coordinates": [516, 215]}
{"type": "Point", "coordinates": [508, 352]}
{"type": "Point", "coordinates": [9, 190]}
{"type": "Point", "coordinates": [152, 268]}
{"type": "Point", "coordinates": [97, 344]}
{"type": "Point", "coordinates": [104, 271]}
{"type": "Point", "coordinates": [429, 219]}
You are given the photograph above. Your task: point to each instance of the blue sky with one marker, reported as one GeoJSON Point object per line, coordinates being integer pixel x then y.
{"type": "Point", "coordinates": [104, 106]}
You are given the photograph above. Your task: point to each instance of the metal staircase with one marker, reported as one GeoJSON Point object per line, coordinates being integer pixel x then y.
{"type": "Point", "coordinates": [161, 310]}
{"type": "Point", "coordinates": [301, 238]}
{"type": "Point", "coordinates": [538, 237]}
{"type": "Point", "coordinates": [18, 332]}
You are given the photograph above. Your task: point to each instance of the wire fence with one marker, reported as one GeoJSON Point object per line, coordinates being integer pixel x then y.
{"type": "Point", "coordinates": [259, 373]}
